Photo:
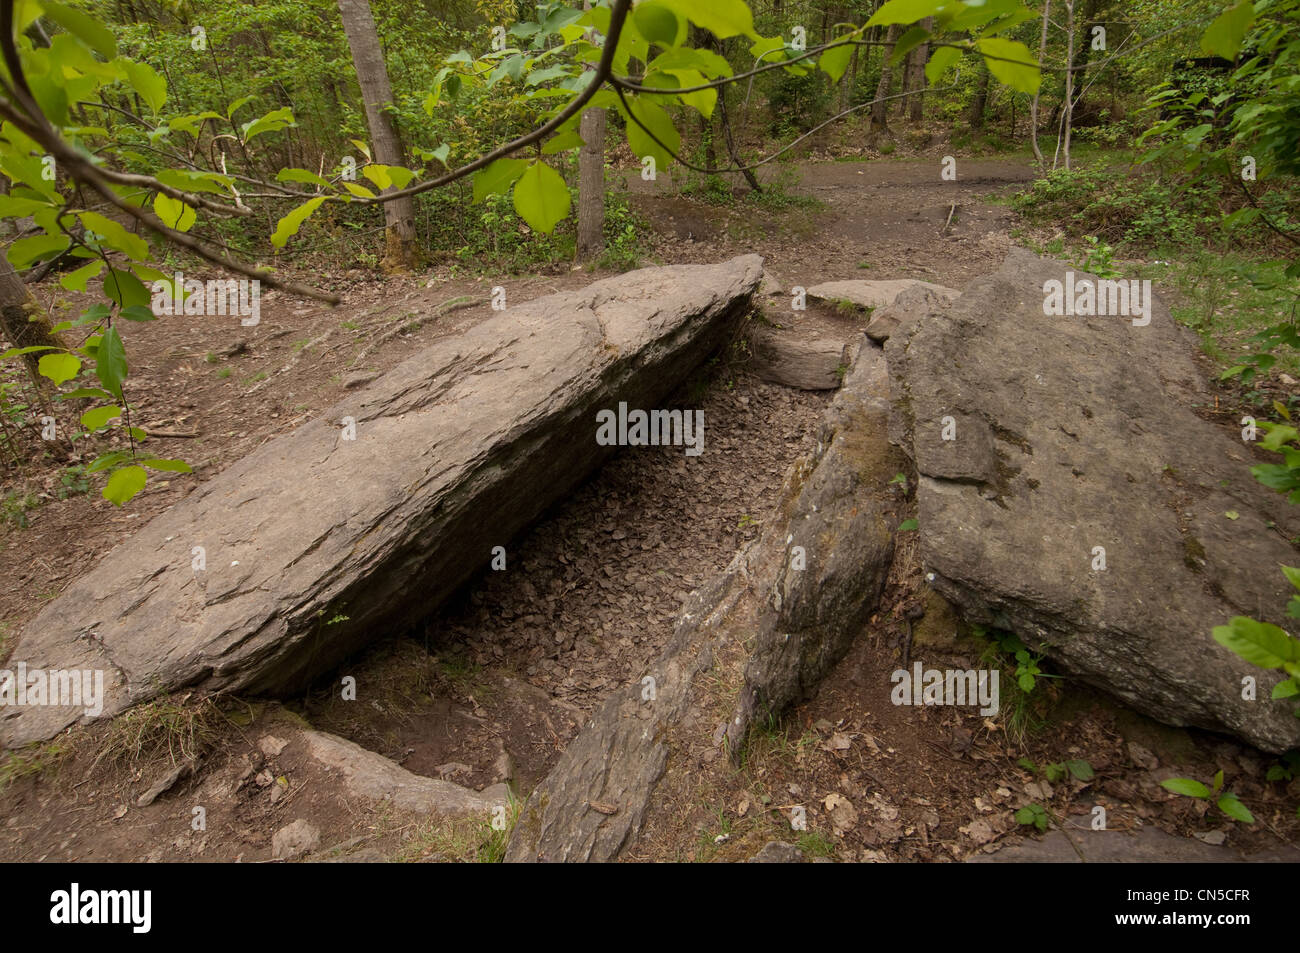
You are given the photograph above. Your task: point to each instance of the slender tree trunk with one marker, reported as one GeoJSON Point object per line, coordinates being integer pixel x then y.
{"type": "Point", "coordinates": [22, 323]}
{"type": "Point", "coordinates": [1033, 103]}
{"type": "Point", "coordinates": [731, 143]}
{"type": "Point", "coordinates": [880, 108]}
{"type": "Point", "coordinates": [401, 252]}
{"type": "Point", "coordinates": [980, 102]}
{"type": "Point", "coordinates": [916, 60]}
{"type": "Point", "coordinates": [1067, 116]}
{"type": "Point", "coordinates": [591, 181]}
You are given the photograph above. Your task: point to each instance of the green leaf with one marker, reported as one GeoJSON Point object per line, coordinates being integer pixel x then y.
{"type": "Point", "coordinates": [722, 18]}
{"type": "Point", "coordinates": [85, 28]}
{"type": "Point", "coordinates": [835, 61]}
{"type": "Point", "coordinates": [174, 213]}
{"type": "Point", "coordinates": [386, 176]}
{"type": "Point", "coordinates": [24, 251]}
{"type": "Point", "coordinates": [497, 177]}
{"type": "Point", "coordinates": [171, 466]}
{"type": "Point", "coordinates": [908, 525]}
{"type": "Point", "coordinates": [288, 226]}
{"type": "Point", "coordinates": [1223, 37]}
{"type": "Point", "coordinates": [110, 362]}
{"type": "Point", "coordinates": [273, 121]}
{"type": "Point", "coordinates": [125, 288]}
{"type": "Point", "coordinates": [658, 23]}
{"type": "Point", "coordinates": [1292, 574]}
{"type": "Point", "coordinates": [1259, 643]}
{"type": "Point", "coordinates": [1231, 805]}
{"type": "Point", "coordinates": [146, 81]}
{"type": "Point", "coordinates": [124, 484]}
{"type": "Point", "coordinates": [941, 60]}
{"type": "Point", "coordinates": [104, 461]}
{"type": "Point", "coordinates": [1021, 75]}
{"type": "Point", "coordinates": [908, 42]}
{"type": "Point", "coordinates": [1186, 786]}
{"type": "Point", "coordinates": [541, 198]}
{"type": "Point", "coordinates": [1081, 769]}
{"type": "Point", "coordinates": [1218, 781]}
{"type": "Point", "coordinates": [17, 351]}
{"type": "Point", "coordinates": [76, 280]}
{"type": "Point", "coordinates": [99, 417]}
{"type": "Point", "coordinates": [302, 175]}
{"type": "Point", "coordinates": [360, 191]}
{"type": "Point", "coordinates": [115, 235]}
{"type": "Point", "coordinates": [1287, 689]}
{"type": "Point", "coordinates": [654, 118]}
{"type": "Point", "coordinates": [137, 312]}
{"type": "Point", "coordinates": [562, 142]}
{"type": "Point", "coordinates": [905, 11]}
{"type": "Point", "coordinates": [1026, 682]}
{"type": "Point", "coordinates": [59, 367]}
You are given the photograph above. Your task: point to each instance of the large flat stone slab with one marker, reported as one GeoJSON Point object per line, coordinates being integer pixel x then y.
{"type": "Point", "coordinates": [873, 293]}
{"type": "Point", "coordinates": [316, 543]}
{"type": "Point", "coordinates": [1149, 845]}
{"type": "Point", "coordinates": [1074, 440]}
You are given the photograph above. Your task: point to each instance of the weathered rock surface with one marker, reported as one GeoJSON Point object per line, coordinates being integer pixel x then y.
{"type": "Point", "coordinates": [315, 543]}
{"type": "Point", "coordinates": [911, 304]}
{"type": "Point", "coordinates": [293, 840]}
{"type": "Point", "coordinates": [778, 852]}
{"type": "Point", "coordinates": [840, 530]}
{"type": "Point", "coordinates": [1149, 845]}
{"type": "Point", "coordinates": [788, 357]}
{"type": "Point", "coordinates": [1074, 433]}
{"type": "Point", "coordinates": [368, 774]}
{"type": "Point", "coordinates": [873, 294]}
{"type": "Point", "coordinates": [594, 803]}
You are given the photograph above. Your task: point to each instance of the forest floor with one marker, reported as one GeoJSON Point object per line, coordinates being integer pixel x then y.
{"type": "Point", "coordinates": [518, 667]}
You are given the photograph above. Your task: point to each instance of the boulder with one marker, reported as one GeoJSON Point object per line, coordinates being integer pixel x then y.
{"type": "Point", "coordinates": [368, 517]}
{"type": "Point", "coordinates": [833, 550]}
{"type": "Point", "coordinates": [873, 294]}
{"type": "Point", "coordinates": [788, 357]}
{"type": "Point", "coordinates": [368, 774]}
{"type": "Point", "coordinates": [1083, 505]}
{"type": "Point", "coordinates": [797, 622]}
{"type": "Point", "coordinates": [910, 304]}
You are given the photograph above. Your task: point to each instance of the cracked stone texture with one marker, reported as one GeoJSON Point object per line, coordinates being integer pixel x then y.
{"type": "Point", "coordinates": [456, 450]}
{"type": "Point", "coordinates": [1074, 433]}
{"type": "Point", "coordinates": [1150, 845]}
{"type": "Point", "coordinates": [370, 775]}
{"type": "Point", "coordinates": [796, 624]}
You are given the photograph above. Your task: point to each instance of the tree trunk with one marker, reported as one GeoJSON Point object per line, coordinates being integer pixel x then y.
{"type": "Point", "coordinates": [401, 253]}
{"type": "Point", "coordinates": [22, 323]}
{"type": "Point", "coordinates": [1067, 116]}
{"type": "Point", "coordinates": [591, 186]}
{"type": "Point", "coordinates": [1033, 103]}
{"type": "Point", "coordinates": [980, 102]}
{"type": "Point", "coordinates": [591, 181]}
{"type": "Point", "coordinates": [880, 108]}
{"type": "Point", "coordinates": [916, 66]}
